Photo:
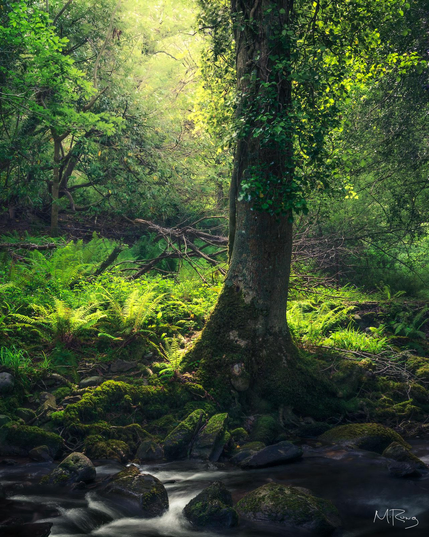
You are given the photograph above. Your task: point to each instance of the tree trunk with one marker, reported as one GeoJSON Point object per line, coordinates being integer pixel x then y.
{"type": "Point", "coordinates": [55, 191]}
{"type": "Point", "coordinates": [246, 346]}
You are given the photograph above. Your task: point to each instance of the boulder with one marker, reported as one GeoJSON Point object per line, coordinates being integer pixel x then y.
{"type": "Point", "coordinates": [212, 508]}
{"type": "Point", "coordinates": [240, 453]}
{"type": "Point", "coordinates": [141, 493]}
{"type": "Point", "coordinates": [40, 454]}
{"type": "Point", "coordinates": [177, 443]}
{"type": "Point", "coordinates": [290, 508]}
{"type": "Point", "coordinates": [91, 381]}
{"type": "Point", "coordinates": [48, 404]}
{"type": "Point", "coordinates": [239, 434]}
{"type": "Point", "coordinates": [16, 439]}
{"type": "Point", "coordinates": [275, 455]}
{"type": "Point", "coordinates": [7, 383]}
{"type": "Point", "coordinates": [25, 414]}
{"type": "Point", "coordinates": [211, 439]}
{"type": "Point", "coordinates": [402, 462]}
{"type": "Point", "coordinates": [149, 451]}
{"type": "Point", "coordinates": [76, 468]}
{"type": "Point", "coordinates": [368, 436]}
{"type": "Point", "coordinates": [108, 449]}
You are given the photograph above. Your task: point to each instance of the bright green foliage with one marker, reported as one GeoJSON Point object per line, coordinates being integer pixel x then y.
{"type": "Point", "coordinates": [353, 339]}
{"type": "Point", "coordinates": [129, 319]}
{"type": "Point", "coordinates": [173, 354]}
{"type": "Point", "coordinates": [325, 49]}
{"type": "Point", "coordinates": [311, 321]}
{"type": "Point", "coordinates": [60, 323]}
{"type": "Point", "coordinates": [15, 359]}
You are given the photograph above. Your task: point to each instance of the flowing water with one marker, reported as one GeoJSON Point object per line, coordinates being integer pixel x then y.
{"type": "Point", "coordinates": [357, 482]}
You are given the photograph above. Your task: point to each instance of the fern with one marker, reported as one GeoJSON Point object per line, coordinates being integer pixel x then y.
{"type": "Point", "coordinates": [131, 317]}
{"type": "Point", "coordinates": [61, 322]}
{"type": "Point", "coordinates": [173, 354]}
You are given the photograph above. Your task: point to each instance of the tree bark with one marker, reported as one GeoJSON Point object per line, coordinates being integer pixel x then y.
{"type": "Point", "coordinates": [55, 189]}
{"type": "Point", "coordinates": [246, 346]}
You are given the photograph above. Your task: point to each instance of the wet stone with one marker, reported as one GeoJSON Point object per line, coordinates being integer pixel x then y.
{"type": "Point", "coordinates": [7, 383]}
{"type": "Point", "coordinates": [212, 508]}
{"type": "Point", "coordinates": [91, 381]}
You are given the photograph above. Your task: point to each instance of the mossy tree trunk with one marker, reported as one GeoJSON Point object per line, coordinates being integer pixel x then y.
{"type": "Point", "coordinates": [246, 346]}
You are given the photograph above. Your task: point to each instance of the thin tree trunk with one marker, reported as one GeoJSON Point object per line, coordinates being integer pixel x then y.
{"type": "Point", "coordinates": [55, 191]}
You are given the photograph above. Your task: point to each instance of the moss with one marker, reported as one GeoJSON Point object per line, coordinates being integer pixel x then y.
{"type": "Point", "coordinates": [369, 436]}
{"type": "Point", "coordinates": [97, 448]}
{"type": "Point", "coordinates": [58, 417]}
{"type": "Point", "coordinates": [9, 404]}
{"type": "Point", "coordinates": [113, 396]}
{"type": "Point", "coordinates": [162, 426]}
{"type": "Point", "coordinates": [15, 438]}
{"type": "Point", "coordinates": [265, 430]}
{"type": "Point", "coordinates": [349, 377]}
{"type": "Point", "coordinates": [232, 337]}
{"type": "Point", "coordinates": [208, 407]}
{"type": "Point", "coordinates": [212, 508]}
{"type": "Point", "coordinates": [420, 394]}
{"type": "Point", "coordinates": [398, 452]}
{"type": "Point", "coordinates": [26, 414]}
{"type": "Point", "coordinates": [423, 372]}
{"type": "Point", "coordinates": [239, 434]}
{"type": "Point", "coordinates": [288, 506]}
{"type": "Point", "coordinates": [60, 478]}
{"type": "Point", "coordinates": [62, 392]}
{"type": "Point", "coordinates": [196, 390]}
{"type": "Point", "coordinates": [176, 444]}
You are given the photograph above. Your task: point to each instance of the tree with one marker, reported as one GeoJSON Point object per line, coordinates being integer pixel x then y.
{"type": "Point", "coordinates": [43, 87]}
{"type": "Point", "coordinates": [295, 63]}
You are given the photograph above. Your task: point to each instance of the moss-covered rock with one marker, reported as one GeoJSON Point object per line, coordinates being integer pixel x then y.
{"type": "Point", "coordinates": [209, 407]}
{"type": "Point", "coordinates": [140, 493]}
{"type": "Point", "coordinates": [117, 399]}
{"type": "Point", "coordinates": [290, 508]}
{"type": "Point", "coordinates": [40, 454]}
{"type": "Point", "coordinates": [243, 452]}
{"type": "Point", "coordinates": [16, 439]}
{"type": "Point", "coordinates": [265, 429]}
{"type": "Point", "coordinates": [212, 508]}
{"type": "Point", "coordinates": [75, 468]}
{"type": "Point", "coordinates": [149, 451]}
{"type": "Point", "coordinates": [26, 414]}
{"type": "Point", "coordinates": [211, 439]}
{"type": "Point", "coordinates": [162, 426]}
{"type": "Point", "coordinates": [62, 393]}
{"type": "Point", "coordinates": [408, 465]}
{"type": "Point", "coordinates": [178, 442]}
{"type": "Point", "coordinates": [239, 434]}
{"type": "Point", "coordinates": [98, 448]}
{"type": "Point", "coordinates": [369, 436]}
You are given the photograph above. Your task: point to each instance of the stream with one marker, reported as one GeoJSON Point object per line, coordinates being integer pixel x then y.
{"type": "Point", "coordinates": [357, 482]}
